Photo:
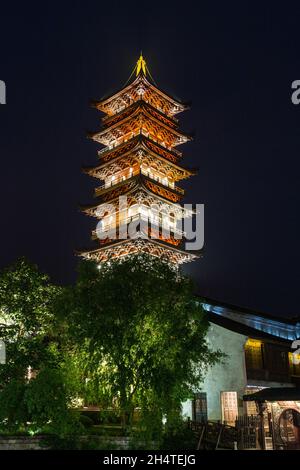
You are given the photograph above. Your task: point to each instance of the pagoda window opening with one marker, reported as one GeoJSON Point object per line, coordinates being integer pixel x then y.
{"type": "Point", "coordinates": [172, 221]}
{"type": "Point", "coordinates": [143, 212]}
{"type": "Point", "coordinates": [134, 170]}
{"type": "Point", "coordinates": [120, 176]}
{"type": "Point", "coordinates": [106, 222]}
{"type": "Point", "coordinates": [157, 176]}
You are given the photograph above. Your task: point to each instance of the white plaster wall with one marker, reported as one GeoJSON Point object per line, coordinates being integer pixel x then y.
{"type": "Point", "coordinates": [230, 376]}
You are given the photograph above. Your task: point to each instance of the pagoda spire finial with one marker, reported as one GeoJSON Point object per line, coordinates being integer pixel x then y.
{"type": "Point", "coordinates": [141, 65]}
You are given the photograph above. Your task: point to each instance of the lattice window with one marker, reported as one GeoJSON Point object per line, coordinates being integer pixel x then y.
{"type": "Point", "coordinates": [250, 406]}
{"type": "Point", "coordinates": [229, 405]}
{"type": "Point", "coordinates": [199, 406]}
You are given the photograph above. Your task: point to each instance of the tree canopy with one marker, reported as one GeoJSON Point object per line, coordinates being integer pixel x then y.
{"type": "Point", "coordinates": [140, 331]}
{"type": "Point", "coordinates": [127, 335]}
{"type": "Point", "coordinates": [32, 389]}
{"type": "Point", "coordinates": [26, 319]}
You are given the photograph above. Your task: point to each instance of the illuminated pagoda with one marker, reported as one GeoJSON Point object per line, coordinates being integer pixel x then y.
{"type": "Point", "coordinates": [139, 163]}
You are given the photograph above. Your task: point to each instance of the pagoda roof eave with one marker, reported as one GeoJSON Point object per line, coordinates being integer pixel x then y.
{"type": "Point", "coordinates": [115, 243]}
{"type": "Point", "coordinates": [91, 169]}
{"type": "Point", "coordinates": [93, 135]}
{"type": "Point", "coordinates": [87, 208]}
{"type": "Point", "coordinates": [100, 103]}
{"type": "Point", "coordinates": [140, 103]}
{"type": "Point", "coordinates": [140, 182]}
{"type": "Point", "coordinates": [142, 138]}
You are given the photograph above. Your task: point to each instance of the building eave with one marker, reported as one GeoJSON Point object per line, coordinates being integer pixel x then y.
{"type": "Point", "coordinates": [140, 78]}
{"type": "Point", "coordinates": [252, 323]}
{"type": "Point", "coordinates": [274, 394]}
{"type": "Point", "coordinates": [243, 329]}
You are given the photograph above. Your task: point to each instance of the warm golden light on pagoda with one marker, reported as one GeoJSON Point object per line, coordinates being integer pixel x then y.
{"type": "Point", "coordinates": [139, 162]}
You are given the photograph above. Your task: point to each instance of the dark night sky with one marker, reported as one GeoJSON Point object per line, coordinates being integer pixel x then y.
{"type": "Point", "coordinates": [235, 63]}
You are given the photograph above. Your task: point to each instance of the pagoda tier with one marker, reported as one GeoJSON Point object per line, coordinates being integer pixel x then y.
{"type": "Point", "coordinates": [137, 184]}
{"type": "Point", "coordinates": [125, 248]}
{"type": "Point", "coordinates": [108, 153]}
{"type": "Point", "coordinates": [143, 229]}
{"type": "Point", "coordinates": [136, 118]}
{"type": "Point", "coordinates": [136, 196]}
{"type": "Point", "coordinates": [139, 106]}
{"type": "Point", "coordinates": [141, 154]}
{"type": "Point", "coordinates": [138, 179]}
{"type": "Point", "coordinates": [141, 165]}
{"type": "Point", "coordinates": [139, 89]}
{"type": "Point", "coordinates": [141, 206]}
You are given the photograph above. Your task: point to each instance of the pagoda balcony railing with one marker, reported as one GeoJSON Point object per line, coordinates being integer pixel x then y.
{"type": "Point", "coordinates": [106, 149]}
{"type": "Point", "coordinates": [114, 226]}
{"type": "Point", "coordinates": [132, 174]}
{"type": "Point", "coordinates": [124, 139]}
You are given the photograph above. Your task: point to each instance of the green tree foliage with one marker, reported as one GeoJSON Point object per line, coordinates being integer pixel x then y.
{"type": "Point", "coordinates": [26, 319]}
{"type": "Point", "coordinates": [140, 332]}
{"type": "Point", "coordinates": [13, 410]}
{"type": "Point", "coordinates": [47, 401]}
{"type": "Point", "coordinates": [32, 341]}
{"type": "Point", "coordinates": [127, 336]}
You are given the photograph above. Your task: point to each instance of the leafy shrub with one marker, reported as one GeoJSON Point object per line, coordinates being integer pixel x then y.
{"type": "Point", "coordinates": [86, 421]}
{"type": "Point", "coordinates": [178, 436]}
{"type": "Point", "coordinates": [13, 410]}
